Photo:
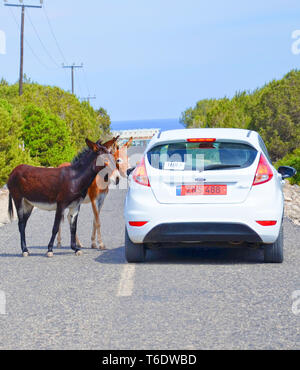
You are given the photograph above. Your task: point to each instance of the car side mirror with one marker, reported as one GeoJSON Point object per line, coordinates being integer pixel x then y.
{"type": "Point", "coordinates": [287, 172]}
{"type": "Point", "coordinates": [130, 170]}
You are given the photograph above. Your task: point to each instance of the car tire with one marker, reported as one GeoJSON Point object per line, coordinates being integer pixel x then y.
{"type": "Point", "coordinates": [134, 252]}
{"type": "Point", "coordinates": [273, 253]}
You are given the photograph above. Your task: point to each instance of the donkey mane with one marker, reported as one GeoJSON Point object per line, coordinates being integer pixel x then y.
{"type": "Point", "coordinates": [81, 156]}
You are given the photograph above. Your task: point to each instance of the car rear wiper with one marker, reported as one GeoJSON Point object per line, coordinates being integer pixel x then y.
{"type": "Point", "coordinates": [221, 166]}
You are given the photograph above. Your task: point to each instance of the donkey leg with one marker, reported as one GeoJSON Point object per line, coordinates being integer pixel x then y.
{"type": "Point", "coordinates": [94, 244]}
{"type": "Point", "coordinates": [59, 233]}
{"type": "Point", "coordinates": [27, 213]}
{"type": "Point", "coordinates": [97, 227]}
{"type": "Point", "coordinates": [78, 242]}
{"type": "Point", "coordinates": [57, 221]}
{"type": "Point", "coordinates": [100, 205]}
{"type": "Point", "coordinates": [59, 237]}
{"type": "Point", "coordinates": [24, 211]}
{"type": "Point", "coordinates": [100, 241]}
{"type": "Point", "coordinates": [95, 212]}
{"type": "Point", "coordinates": [73, 217]}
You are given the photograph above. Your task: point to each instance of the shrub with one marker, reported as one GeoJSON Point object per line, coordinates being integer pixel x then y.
{"type": "Point", "coordinates": [292, 160]}
{"type": "Point", "coordinates": [46, 136]}
{"type": "Point", "coordinates": [12, 151]}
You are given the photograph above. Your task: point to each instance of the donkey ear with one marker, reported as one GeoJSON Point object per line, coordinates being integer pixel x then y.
{"type": "Point", "coordinates": [111, 142]}
{"type": "Point", "coordinates": [129, 143]}
{"type": "Point", "coordinates": [93, 146]}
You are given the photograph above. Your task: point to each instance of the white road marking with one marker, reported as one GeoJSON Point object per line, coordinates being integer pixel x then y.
{"type": "Point", "coordinates": [127, 281]}
{"type": "Point", "coordinates": [2, 303]}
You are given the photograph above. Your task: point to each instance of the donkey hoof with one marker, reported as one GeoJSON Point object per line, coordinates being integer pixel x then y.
{"type": "Point", "coordinates": [25, 254]}
{"type": "Point", "coordinates": [94, 246]}
{"type": "Point", "coordinates": [50, 254]}
{"type": "Point", "coordinates": [102, 247]}
{"type": "Point", "coordinates": [78, 253]}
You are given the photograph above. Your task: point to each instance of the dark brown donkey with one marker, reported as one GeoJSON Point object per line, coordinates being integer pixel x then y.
{"type": "Point", "coordinates": [55, 189]}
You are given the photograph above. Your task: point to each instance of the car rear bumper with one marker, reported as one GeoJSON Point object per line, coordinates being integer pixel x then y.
{"type": "Point", "coordinates": [194, 222]}
{"type": "Point", "coordinates": [201, 232]}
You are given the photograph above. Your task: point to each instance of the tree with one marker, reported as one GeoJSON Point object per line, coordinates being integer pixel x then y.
{"type": "Point", "coordinates": [276, 115]}
{"type": "Point", "coordinates": [46, 136]}
{"type": "Point", "coordinates": [12, 151]}
{"type": "Point", "coordinates": [45, 126]}
{"type": "Point", "coordinates": [273, 111]}
{"type": "Point", "coordinates": [81, 118]}
{"type": "Point", "coordinates": [292, 160]}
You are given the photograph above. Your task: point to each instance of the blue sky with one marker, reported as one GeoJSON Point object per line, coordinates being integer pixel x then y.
{"type": "Point", "coordinates": [153, 59]}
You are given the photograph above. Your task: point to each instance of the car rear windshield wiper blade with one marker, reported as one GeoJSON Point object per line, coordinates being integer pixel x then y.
{"type": "Point", "coordinates": [221, 166]}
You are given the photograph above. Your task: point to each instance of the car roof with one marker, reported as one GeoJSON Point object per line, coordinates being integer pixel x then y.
{"type": "Point", "coordinates": [218, 133]}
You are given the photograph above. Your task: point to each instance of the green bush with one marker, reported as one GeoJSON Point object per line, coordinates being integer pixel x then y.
{"type": "Point", "coordinates": [273, 111]}
{"type": "Point", "coordinates": [12, 151]}
{"type": "Point", "coordinates": [45, 126]}
{"type": "Point", "coordinates": [80, 117]}
{"type": "Point", "coordinates": [292, 160]}
{"type": "Point", "coordinates": [47, 137]}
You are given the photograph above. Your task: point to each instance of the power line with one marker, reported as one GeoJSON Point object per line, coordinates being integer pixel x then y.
{"type": "Point", "coordinates": [79, 85]}
{"type": "Point", "coordinates": [53, 34]}
{"type": "Point", "coordinates": [72, 67]}
{"type": "Point", "coordinates": [28, 44]}
{"type": "Point", "coordinates": [44, 47]}
{"type": "Point", "coordinates": [23, 7]}
{"type": "Point", "coordinates": [86, 81]}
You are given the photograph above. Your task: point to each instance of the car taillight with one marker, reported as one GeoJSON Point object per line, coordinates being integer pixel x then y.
{"type": "Point", "coordinates": [137, 223]}
{"type": "Point", "coordinates": [267, 223]}
{"type": "Point", "coordinates": [209, 140]}
{"type": "Point", "coordinates": [140, 174]}
{"type": "Point", "coordinates": [264, 172]}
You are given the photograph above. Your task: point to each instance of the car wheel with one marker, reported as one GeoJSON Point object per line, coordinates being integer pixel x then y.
{"type": "Point", "coordinates": [134, 252]}
{"type": "Point", "coordinates": [273, 253]}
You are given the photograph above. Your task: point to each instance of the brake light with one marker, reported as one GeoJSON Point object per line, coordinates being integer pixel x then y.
{"type": "Point", "coordinates": [140, 174]}
{"type": "Point", "coordinates": [201, 140]}
{"type": "Point", "coordinates": [138, 223]}
{"type": "Point", "coordinates": [267, 223]}
{"type": "Point", "coordinates": [264, 172]}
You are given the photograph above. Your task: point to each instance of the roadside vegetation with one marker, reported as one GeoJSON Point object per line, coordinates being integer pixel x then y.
{"type": "Point", "coordinates": [46, 126]}
{"type": "Point", "coordinates": [273, 111]}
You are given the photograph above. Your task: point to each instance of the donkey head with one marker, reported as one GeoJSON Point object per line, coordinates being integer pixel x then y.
{"type": "Point", "coordinates": [102, 155]}
{"type": "Point", "coordinates": [121, 157]}
{"type": "Point", "coordinates": [110, 173]}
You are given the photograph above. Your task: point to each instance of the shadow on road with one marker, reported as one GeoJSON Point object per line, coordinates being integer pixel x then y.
{"type": "Point", "coordinates": [39, 251]}
{"type": "Point", "coordinates": [112, 256]}
{"type": "Point", "coordinates": [191, 255]}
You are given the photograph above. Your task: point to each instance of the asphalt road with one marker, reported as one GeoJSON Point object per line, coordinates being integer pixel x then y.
{"type": "Point", "coordinates": [179, 299]}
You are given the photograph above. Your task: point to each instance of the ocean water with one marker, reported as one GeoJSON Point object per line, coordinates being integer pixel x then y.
{"type": "Point", "coordinates": [163, 124]}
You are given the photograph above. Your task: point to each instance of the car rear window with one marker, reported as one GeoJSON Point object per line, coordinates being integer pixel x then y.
{"type": "Point", "coordinates": [185, 156]}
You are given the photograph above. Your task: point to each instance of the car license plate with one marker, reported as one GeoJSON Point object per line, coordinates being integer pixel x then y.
{"type": "Point", "coordinates": [185, 190]}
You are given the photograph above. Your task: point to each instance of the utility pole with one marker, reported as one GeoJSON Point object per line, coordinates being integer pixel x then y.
{"type": "Point", "coordinates": [23, 6]}
{"type": "Point", "coordinates": [72, 67]}
{"type": "Point", "coordinates": [88, 98]}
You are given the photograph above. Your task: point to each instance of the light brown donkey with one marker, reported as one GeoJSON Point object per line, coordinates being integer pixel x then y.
{"type": "Point", "coordinates": [99, 189]}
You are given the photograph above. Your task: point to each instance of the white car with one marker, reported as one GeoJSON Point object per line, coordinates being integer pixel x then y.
{"type": "Point", "coordinates": [205, 186]}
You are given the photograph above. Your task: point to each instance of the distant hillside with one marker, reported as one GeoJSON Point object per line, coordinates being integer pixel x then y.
{"type": "Point", "coordinates": [45, 126]}
{"type": "Point", "coordinates": [273, 111]}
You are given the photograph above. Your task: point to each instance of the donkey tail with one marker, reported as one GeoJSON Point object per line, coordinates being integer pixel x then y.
{"type": "Point", "coordinates": [10, 208]}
